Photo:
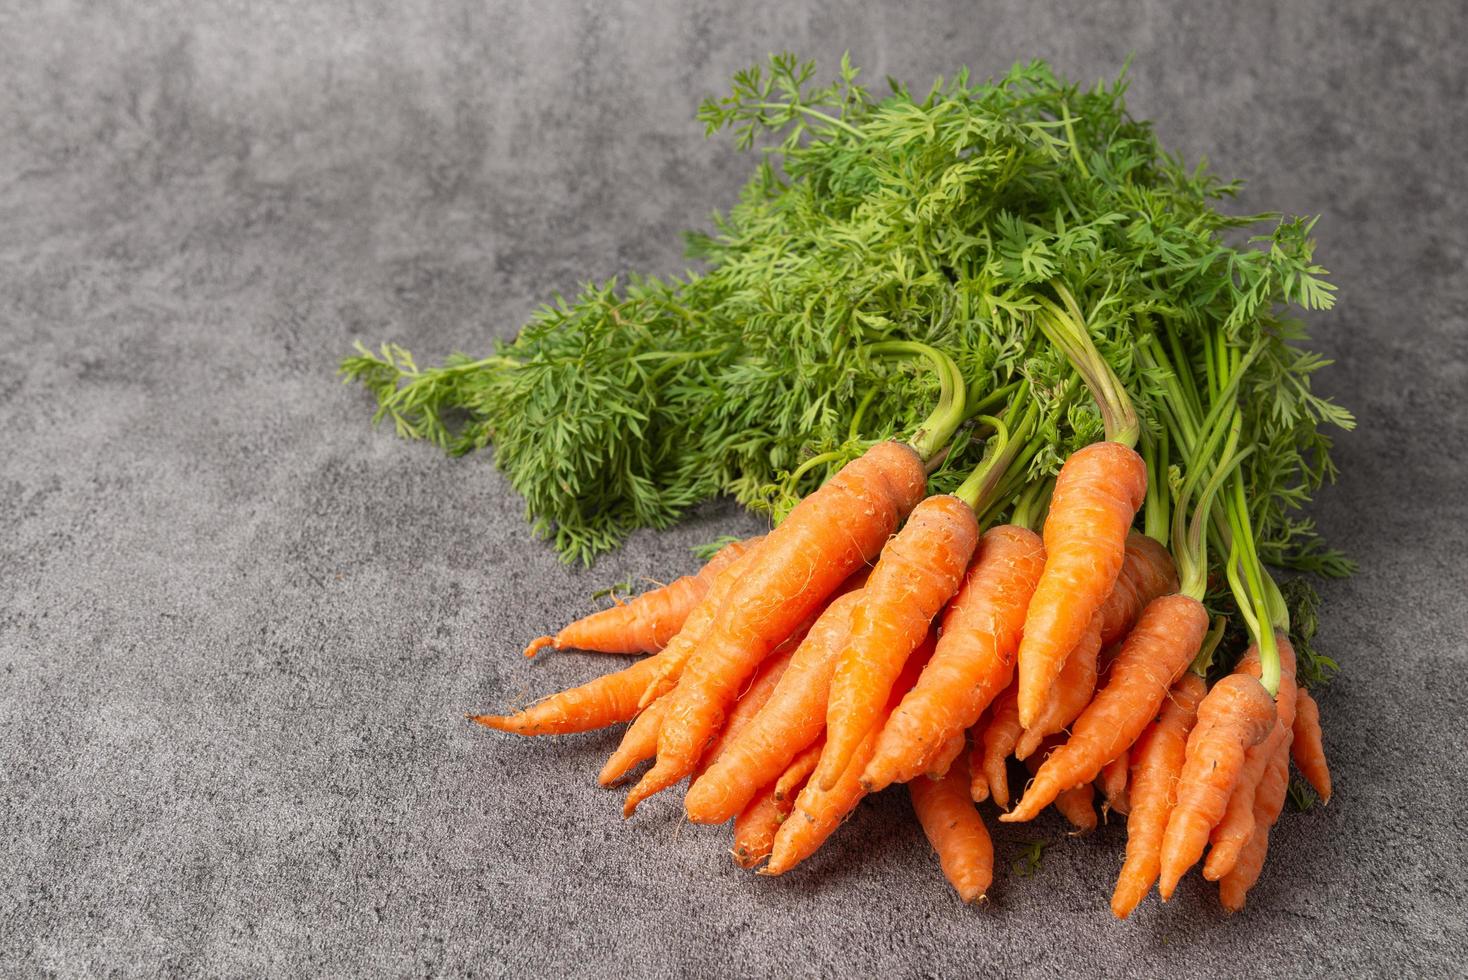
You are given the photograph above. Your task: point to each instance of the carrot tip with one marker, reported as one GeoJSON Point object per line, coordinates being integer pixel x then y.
{"type": "Point", "coordinates": [538, 644]}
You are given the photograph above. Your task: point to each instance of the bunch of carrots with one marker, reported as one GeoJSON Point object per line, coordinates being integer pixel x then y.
{"type": "Point", "coordinates": [879, 635]}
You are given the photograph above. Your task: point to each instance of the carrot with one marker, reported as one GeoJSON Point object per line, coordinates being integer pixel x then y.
{"type": "Point", "coordinates": [1076, 804]}
{"type": "Point", "coordinates": [639, 743]}
{"type": "Point", "coordinates": [648, 622]}
{"type": "Point", "coordinates": [608, 700]}
{"type": "Point", "coordinates": [818, 812]}
{"type": "Point", "coordinates": [1237, 824]}
{"type": "Point", "coordinates": [755, 697]}
{"type": "Point", "coordinates": [755, 827]}
{"type": "Point", "coordinates": [1097, 494]}
{"type": "Point", "coordinates": [799, 770]}
{"type": "Point", "coordinates": [956, 831]}
{"type": "Point", "coordinates": [1158, 650]}
{"type": "Point", "coordinates": [918, 573]}
{"type": "Point", "coordinates": [973, 662]}
{"type": "Point", "coordinates": [1000, 737]}
{"type": "Point", "coordinates": [1114, 783]}
{"type": "Point", "coordinates": [1070, 693]}
{"type": "Point", "coordinates": [978, 783]}
{"type": "Point", "coordinates": [1158, 761]}
{"type": "Point", "coordinates": [1308, 747]}
{"type": "Point", "coordinates": [1267, 806]}
{"type": "Point", "coordinates": [674, 657]}
{"type": "Point", "coordinates": [1236, 714]}
{"type": "Point", "coordinates": [946, 755]}
{"type": "Point", "coordinates": [822, 541]}
{"type": "Point", "coordinates": [789, 723]}
{"type": "Point", "coordinates": [1147, 572]}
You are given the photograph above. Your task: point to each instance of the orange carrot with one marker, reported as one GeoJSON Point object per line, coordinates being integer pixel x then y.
{"type": "Point", "coordinates": [1076, 804]}
{"type": "Point", "coordinates": [978, 783]}
{"type": "Point", "coordinates": [1309, 747]}
{"type": "Point", "coordinates": [918, 573]}
{"type": "Point", "coordinates": [1147, 572]}
{"type": "Point", "coordinates": [1000, 736]}
{"type": "Point", "coordinates": [1096, 496]}
{"type": "Point", "coordinates": [756, 826]}
{"type": "Point", "coordinates": [819, 812]}
{"type": "Point", "coordinates": [648, 622]}
{"type": "Point", "coordinates": [793, 778]}
{"type": "Point", "coordinates": [956, 831]}
{"type": "Point", "coordinates": [639, 743]}
{"type": "Point", "coordinates": [1157, 651]}
{"type": "Point", "coordinates": [1159, 756]}
{"type": "Point", "coordinates": [609, 699]}
{"type": "Point", "coordinates": [1113, 784]}
{"type": "Point", "coordinates": [946, 755]}
{"type": "Point", "coordinates": [974, 660]}
{"type": "Point", "coordinates": [1268, 803]}
{"type": "Point", "coordinates": [788, 724]}
{"type": "Point", "coordinates": [1070, 693]}
{"type": "Point", "coordinates": [748, 705]}
{"type": "Point", "coordinates": [1236, 714]}
{"type": "Point", "coordinates": [837, 528]}
{"type": "Point", "coordinates": [1237, 824]}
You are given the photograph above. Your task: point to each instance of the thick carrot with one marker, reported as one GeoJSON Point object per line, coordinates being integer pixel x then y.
{"type": "Point", "coordinates": [1237, 824]}
{"type": "Point", "coordinates": [1308, 747]}
{"type": "Point", "coordinates": [1268, 803]}
{"type": "Point", "coordinates": [639, 743]}
{"type": "Point", "coordinates": [1113, 783]}
{"type": "Point", "coordinates": [1003, 731]}
{"type": "Point", "coordinates": [648, 622]}
{"type": "Point", "coordinates": [1096, 496]}
{"type": "Point", "coordinates": [1159, 756]}
{"type": "Point", "coordinates": [947, 754]}
{"type": "Point", "coordinates": [674, 657]}
{"type": "Point", "coordinates": [918, 573]}
{"type": "Point", "coordinates": [1236, 714]}
{"type": "Point", "coordinates": [956, 831]}
{"type": "Point", "coordinates": [799, 770]}
{"type": "Point", "coordinates": [1147, 572]}
{"type": "Point", "coordinates": [974, 660]}
{"type": "Point", "coordinates": [788, 724]}
{"type": "Point", "coordinates": [819, 812]}
{"type": "Point", "coordinates": [798, 566]}
{"type": "Point", "coordinates": [1157, 651]}
{"type": "Point", "coordinates": [1070, 693]}
{"type": "Point", "coordinates": [756, 826]}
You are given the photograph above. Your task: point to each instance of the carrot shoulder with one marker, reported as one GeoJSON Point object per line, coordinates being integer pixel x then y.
{"type": "Point", "coordinates": [1236, 714]}
{"type": "Point", "coordinates": [1165, 640]}
{"type": "Point", "coordinates": [842, 525]}
{"type": "Point", "coordinates": [1096, 496]}
{"type": "Point", "coordinates": [787, 725]}
{"type": "Point", "coordinates": [956, 831]}
{"type": "Point", "coordinates": [974, 659]}
{"type": "Point", "coordinates": [919, 571]}
{"type": "Point", "coordinates": [648, 622]}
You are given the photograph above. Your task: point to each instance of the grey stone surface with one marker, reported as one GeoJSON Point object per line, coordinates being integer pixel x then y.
{"type": "Point", "coordinates": [238, 627]}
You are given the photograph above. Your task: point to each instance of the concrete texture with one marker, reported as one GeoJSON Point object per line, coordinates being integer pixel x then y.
{"type": "Point", "coordinates": [238, 627]}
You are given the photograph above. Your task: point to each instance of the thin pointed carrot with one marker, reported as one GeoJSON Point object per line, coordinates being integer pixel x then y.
{"type": "Point", "coordinates": [1308, 747]}
{"type": "Point", "coordinates": [755, 828]}
{"type": "Point", "coordinates": [646, 623]}
{"type": "Point", "coordinates": [1114, 783]}
{"type": "Point", "coordinates": [974, 660]}
{"type": "Point", "coordinates": [1000, 737]}
{"type": "Point", "coordinates": [919, 571]}
{"type": "Point", "coordinates": [788, 724]}
{"type": "Point", "coordinates": [1236, 714]}
{"type": "Point", "coordinates": [1157, 651]}
{"type": "Point", "coordinates": [748, 704]}
{"type": "Point", "coordinates": [798, 566]}
{"type": "Point", "coordinates": [956, 831]}
{"type": "Point", "coordinates": [1070, 693]}
{"type": "Point", "coordinates": [978, 783]}
{"type": "Point", "coordinates": [799, 770]}
{"type": "Point", "coordinates": [1097, 494]}
{"type": "Point", "coordinates": [1076, 804]}
{"type": "Point", "coordinates": [1159, 756]}
{"type": "Point", "coordinates": [607, 700]}
{"type": "Point", "coordinates": [639, 743]}
{"type": "Point", "coordinates": [1268, 803]}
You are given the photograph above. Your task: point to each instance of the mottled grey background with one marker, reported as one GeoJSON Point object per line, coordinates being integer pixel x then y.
{"type": "Point", "coordinates": [238, 627]}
